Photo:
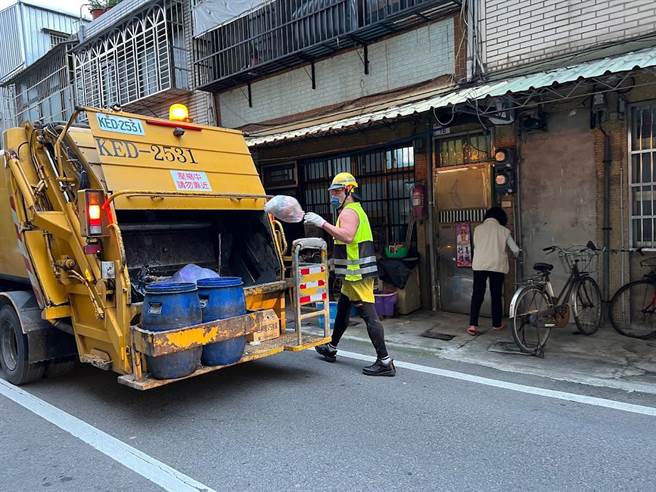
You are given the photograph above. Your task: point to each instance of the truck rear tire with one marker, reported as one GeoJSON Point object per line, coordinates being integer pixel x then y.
{"type": "Point", "coordinates": [14, 351]}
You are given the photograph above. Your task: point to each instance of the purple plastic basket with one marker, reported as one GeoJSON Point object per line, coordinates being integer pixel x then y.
{"type": "Point", "coordinates": [385, 303]}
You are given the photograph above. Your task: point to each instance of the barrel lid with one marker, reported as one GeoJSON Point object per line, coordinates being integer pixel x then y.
{"type": "Point", "coordinates": [220, 282]}
{"type": "Point", "coordinates": [170, 288]}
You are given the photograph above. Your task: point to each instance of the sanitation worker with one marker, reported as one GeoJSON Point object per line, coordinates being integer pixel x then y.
{"type": "Point", "coordinates": [355, 264]}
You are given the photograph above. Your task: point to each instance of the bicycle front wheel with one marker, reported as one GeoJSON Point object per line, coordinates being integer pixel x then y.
{"type": "Point", "coordinates": [633, 309]}
{"type": "Point", "coordinates": [587, 305]}
{"type": "Point", "coordinates": [532, 320]}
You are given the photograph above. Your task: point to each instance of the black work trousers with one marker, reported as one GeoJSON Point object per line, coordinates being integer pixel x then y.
{"type": "Point", "coordinates": [478, 294]}
{"type": "Point", "coordinates": [368, 312]}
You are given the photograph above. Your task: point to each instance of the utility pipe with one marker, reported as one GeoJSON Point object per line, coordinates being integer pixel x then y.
{"type": "Point", "coordinates": [434, 287]}
{"type": "Point", "coordinates": [607, 161]}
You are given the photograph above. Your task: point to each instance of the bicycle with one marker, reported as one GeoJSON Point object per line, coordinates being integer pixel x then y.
{"type": "Point", "coordinates": [632, 309]}
{"type": "Point", "coordinates": [535, 310]}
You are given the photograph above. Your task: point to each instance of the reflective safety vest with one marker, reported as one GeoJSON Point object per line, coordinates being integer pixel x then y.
{"type": "Point", "coordinates": [356, 260]}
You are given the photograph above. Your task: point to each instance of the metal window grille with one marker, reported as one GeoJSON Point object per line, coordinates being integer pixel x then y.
{"type": "Point", "coordinates": [385, 177]}
{"type": "Point", "coordinates": [279, 176]}
{"type": "Point", "coordinates": [642, 175]}
{"type": "Point", "coordinates": [7, 110]}
{"type": "Point", "coordinates": [57, 38]}
{"type": "Point", "coordinates": [141, 58]}
{"type": "Point", "coordinates": [43, 92]}
{"type": "Point", "coordinates": [282, 33]}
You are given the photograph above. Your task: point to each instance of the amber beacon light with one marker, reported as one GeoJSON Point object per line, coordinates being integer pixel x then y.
{"type": "Point", "coordinates": [178, 112]}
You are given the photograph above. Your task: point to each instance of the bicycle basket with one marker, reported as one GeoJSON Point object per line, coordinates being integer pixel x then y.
{"type": "Point", "coordinates": [586, 259]}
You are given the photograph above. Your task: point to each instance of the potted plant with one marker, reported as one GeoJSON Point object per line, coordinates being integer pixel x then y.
{"type": "Point", "coordinates": [99, 7]}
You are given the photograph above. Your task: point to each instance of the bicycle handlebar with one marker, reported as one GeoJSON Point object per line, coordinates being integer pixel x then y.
{"type": "Point", "coordinates": [590, 246]}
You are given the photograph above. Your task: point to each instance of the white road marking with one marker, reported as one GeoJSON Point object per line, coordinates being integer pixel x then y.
{"type": "Point", "coordinates": [531, 390]}
{"type": "Point", "coordinates": [137, 461]}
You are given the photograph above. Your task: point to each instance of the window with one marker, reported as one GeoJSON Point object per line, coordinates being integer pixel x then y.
{"type": "Point", "coordinates": [467, 149]}
{"type": "Point", "coordinates": [279, 176]}
{"type": "Point", "coordinates": [385, 177]}
{"type": "Point", "coordinates": [642, 144]}
{"type": "Point", "coordinates": [56, 38]}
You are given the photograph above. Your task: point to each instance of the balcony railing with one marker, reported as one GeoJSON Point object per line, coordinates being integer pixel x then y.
{"type": "Point", "coordinates": [284, 33]}
{"type": "Point", "coordinates": [142, 58]}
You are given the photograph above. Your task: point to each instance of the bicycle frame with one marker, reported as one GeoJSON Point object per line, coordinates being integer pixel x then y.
{"type": "Point", "coordinates": [566, 292]}
{"type": "Point", "coordinates": [544, 283]}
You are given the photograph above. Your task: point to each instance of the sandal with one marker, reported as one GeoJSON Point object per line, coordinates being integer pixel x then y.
{"type": "Point", "coordinates": [499, 328]}
{"type": "Point", "coordinates": [473, 331]}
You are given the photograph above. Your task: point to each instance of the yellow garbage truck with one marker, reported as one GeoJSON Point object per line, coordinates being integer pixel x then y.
{"type": "Point", "coordinates": [96, 209]}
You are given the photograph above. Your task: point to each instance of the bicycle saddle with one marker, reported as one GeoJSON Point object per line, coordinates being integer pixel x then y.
{"type": "Point", "coordinates": [543, 267]}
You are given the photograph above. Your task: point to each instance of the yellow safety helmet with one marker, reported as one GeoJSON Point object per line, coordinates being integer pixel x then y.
{"type": "Point", "coordinates": [343, 180]}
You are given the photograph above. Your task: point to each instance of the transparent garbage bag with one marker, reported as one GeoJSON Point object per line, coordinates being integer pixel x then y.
{"type": "Point", "coordinates": [193, 273]}
{"type": "Point", "coordinates": [285, 208]}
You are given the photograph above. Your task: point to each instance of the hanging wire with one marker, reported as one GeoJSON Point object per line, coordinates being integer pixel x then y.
{"type": "Point", "coordinates": [441, 123]}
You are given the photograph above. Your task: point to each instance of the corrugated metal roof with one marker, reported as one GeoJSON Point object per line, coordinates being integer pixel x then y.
{"type": "Point", "coordinates": [620, 63]}
{"type": "Point", "coordinates": [26, 34]}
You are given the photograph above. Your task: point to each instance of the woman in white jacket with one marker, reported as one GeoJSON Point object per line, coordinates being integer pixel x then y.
{"type": "Point", "coordinates": [490, 262]}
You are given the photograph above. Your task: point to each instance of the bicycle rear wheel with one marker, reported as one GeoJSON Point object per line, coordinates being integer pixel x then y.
{"type": "Point", "coordinates": [531, 322]}
{"type": "Point", "coordinates": [586, 304]}
{"type": "Point", "coordinates": [633, 309]}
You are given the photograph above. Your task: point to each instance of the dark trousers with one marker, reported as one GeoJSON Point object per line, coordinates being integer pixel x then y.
{"type": "Point", "coordinates": [478, 294]}
{"type": "Point", "coordinates": [368, 312]}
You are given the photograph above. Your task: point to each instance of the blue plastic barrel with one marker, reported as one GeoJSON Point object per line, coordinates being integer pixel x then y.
{"type": "Point", "coordinates": [222, 298]}
{"type": "Point", "coordinates": [333, 314]}
{"type": "Point", "coordinates": [169, 305]}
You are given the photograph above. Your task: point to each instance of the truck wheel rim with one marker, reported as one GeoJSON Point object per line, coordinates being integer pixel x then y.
{"type": "Point", "coordinates": [9, 347]}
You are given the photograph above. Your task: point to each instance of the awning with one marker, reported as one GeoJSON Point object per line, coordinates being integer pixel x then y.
{"type": "Point", "coordinates": [549, 78]}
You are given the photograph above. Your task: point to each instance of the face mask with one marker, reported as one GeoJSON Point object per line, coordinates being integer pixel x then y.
{"type": "Point", "coordinates": [335, 201]}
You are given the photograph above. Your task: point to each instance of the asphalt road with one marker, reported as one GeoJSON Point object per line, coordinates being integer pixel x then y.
{"type": "Point", "coordinates": [296, 422]}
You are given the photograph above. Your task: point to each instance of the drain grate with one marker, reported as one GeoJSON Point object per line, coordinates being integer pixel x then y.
{"type": "Point", "coordinates": [439, 336]}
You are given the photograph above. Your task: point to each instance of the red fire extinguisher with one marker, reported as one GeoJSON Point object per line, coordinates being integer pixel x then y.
{"type": "Point", "coordinates": [418, 197]}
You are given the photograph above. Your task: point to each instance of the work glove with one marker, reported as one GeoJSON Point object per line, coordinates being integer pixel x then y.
{"type": "Point", "coordinates": [314, 219]}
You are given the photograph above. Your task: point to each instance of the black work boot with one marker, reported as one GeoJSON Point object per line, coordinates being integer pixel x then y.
{"type": "Point", "coordinates": [379, 368]}
{"type": "Point", "coordinates": [327, 351]}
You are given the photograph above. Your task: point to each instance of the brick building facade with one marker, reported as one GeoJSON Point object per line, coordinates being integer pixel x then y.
{"type": "Point", "coordinates": [521, 32]}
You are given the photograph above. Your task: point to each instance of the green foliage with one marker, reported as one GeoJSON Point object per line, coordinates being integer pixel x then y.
{"type": "Point", "coordinates": [102, 4]}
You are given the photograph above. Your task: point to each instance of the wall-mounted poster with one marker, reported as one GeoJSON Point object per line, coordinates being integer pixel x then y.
{"type": "Point", "coordinates": [463, 245]}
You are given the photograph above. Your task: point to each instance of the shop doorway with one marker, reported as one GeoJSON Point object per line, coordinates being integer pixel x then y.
{"type": "Point", "coordinates": [463, 188]}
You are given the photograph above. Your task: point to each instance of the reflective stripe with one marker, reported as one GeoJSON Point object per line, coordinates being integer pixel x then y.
{"type": "Point", "coordinates": [311, 270]}
{"type": "Point", "coordinates": [359, 271]}
{"type": "Point", "coordinates": [312, 285]}
{"type": "Point", "coordinates": [360, 261]}
{"type": "Point", "coordinates": [356, 260]}
{"type": "Point", "coordinates": [313, 298]}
